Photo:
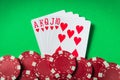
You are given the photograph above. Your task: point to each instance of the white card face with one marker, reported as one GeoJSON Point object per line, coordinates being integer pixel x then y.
{"type": "Point", "coordinates": [39, 27]}
{"type": "Point", "coordinates": [82, 47]}
{"type": "Point", "coordinates": [52, 40]}
{"type": "Point", "coordinates": [71, 32]}
{"type": "Point", "coordinates": [77, 39]}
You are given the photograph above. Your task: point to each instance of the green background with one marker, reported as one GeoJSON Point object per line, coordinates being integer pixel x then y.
{"type": "Point", "coordinates": [16, 33]}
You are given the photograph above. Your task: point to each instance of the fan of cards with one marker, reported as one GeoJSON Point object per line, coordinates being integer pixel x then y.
{"type": "Point", "coordinates": [62, 31]}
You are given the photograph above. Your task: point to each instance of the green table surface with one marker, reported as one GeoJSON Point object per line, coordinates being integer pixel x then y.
{"type": "Point", "coordinates": [17, 36]}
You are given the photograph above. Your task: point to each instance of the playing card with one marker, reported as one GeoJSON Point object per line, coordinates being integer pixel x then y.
{"type": "Point", "coordinates": [53, 41]}
{"type": "Point", "coordinates": [70, 32]}
{"type": "Point", "coordinates": [55, 37]}
{"type": "Point", "coordinates": [76, 37]}
{"type": "Point", "coordinates": [39, 26]}
{"type": "Point", "coordinates": [81, 38]}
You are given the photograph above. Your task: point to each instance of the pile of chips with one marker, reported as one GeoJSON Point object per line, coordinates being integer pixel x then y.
{"type": "Point", "coordinates": [62, 65]}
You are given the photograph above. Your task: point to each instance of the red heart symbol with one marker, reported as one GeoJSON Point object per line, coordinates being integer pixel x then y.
{"type": "Point", "coordinates": [46, 27]}
{"type": "Point", "coordinates": [42, 29]}
{"type": "Point", "coordinates": [63, 26]}
{"type": "Point", "coordinates": [56, 27]}
{"type": "Point", "coordinates": [51, 27]}
{"type": "Point", "coordinates": [61, 37]}
{"type": "Point", "coordinates": [37, 30]}
{"type": "Point", "coordinates": [79, 28]}
{"type": "Point", "coordinates": [70, 33]}
{"type": "Point", "coordinates": [58, 49]}
{"type": "Point", "coordinates": [75, 53]}
{"type": "Point", "coordinates": [77, 40]}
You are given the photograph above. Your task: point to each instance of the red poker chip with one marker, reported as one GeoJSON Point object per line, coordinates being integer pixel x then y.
{"type": "Point", "coordinates": [28, 75]}
{"type": "Point", "coordinates": [9, 68]}
{"type": "Point", "coordinates": [110, 72]}
{"type": "Point", "coordinates": [83, 70]}
{"type": "Point", "coordinates": [65, 77]}
{"type": "Point", "coordinates": [29, 59]}
{"type": "Point", "coordinates": [97, 63]}
{"type": "Point", "coordinates": [42, 69]}
{"type": "Point", "coordinates": [63, 63]}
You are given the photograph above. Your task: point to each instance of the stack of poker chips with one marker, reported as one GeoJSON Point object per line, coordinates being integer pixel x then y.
{"type": "Point", "coordinates": [62, 65]}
